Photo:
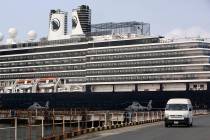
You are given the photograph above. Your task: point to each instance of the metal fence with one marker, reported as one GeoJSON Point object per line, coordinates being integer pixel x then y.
{"type": "Point", "coordinates": [66, 126]}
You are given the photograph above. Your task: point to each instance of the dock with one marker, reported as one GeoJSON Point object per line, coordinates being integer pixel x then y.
{"type": "Point", "coordinates": [60, 125]}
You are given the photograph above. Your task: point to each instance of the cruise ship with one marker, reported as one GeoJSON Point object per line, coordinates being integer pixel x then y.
{"type": "Point", "coordinates": [101, 66]}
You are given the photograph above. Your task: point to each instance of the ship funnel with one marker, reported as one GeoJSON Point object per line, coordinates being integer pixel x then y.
{"type": "Point", "coordinates": [81, 20]}
{"type": "Point", "coordinates": [57, 25]}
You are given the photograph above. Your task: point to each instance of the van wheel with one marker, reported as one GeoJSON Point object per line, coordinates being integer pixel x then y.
{"type": "Point", "coordinates": [166, 125]}
{"type": "Point", "coordinates": [191, 124]}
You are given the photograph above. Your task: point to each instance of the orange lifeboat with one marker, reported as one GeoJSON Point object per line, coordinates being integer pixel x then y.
{"type": "Point", "coordinates": [25, 81]}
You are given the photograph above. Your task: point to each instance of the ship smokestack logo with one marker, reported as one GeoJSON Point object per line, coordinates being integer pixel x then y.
{"type": "Point", "coordinates": [55, 24]}
{"type": "Point", "coordinates": [74, 22]}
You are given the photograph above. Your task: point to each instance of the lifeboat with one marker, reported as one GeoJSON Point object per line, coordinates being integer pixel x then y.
{"type": "Point", "coordinates": [46, 82]}
{"type": "Point", "coordinates": [25, 84]}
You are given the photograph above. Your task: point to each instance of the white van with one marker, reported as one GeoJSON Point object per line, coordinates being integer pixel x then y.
{"type": "Point", "coordinates": [178, 111]}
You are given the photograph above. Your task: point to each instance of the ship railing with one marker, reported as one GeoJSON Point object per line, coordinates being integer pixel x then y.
{"type": "Point", "coordinates": [45, 43]}
{"type": "Point", "coordinates": [170, 40]}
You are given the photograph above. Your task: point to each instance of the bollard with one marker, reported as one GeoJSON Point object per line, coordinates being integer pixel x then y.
{"type": "Point", "coordinates": [53, 113]}
{"type": "Point", "coordinates": [70, 123]}
{"type": "Point", "coordinates": [53, 129]}
{"type": "Point", "coordinates": [99, 121]}
{"type": "Point", "coordinates": [36, 113]}
{"type": "Point", "coordinates": [130, 117]}
{"type": "Point", "coordinates": [42, 128]}
{"type": "Point", "coordinates": [10, 113]}
{"type": "Point", "coordinates": [157, 117]}
{"type": "Point", "coordinates": [15, 128]}
{"type": "Point", "coordinates": [30, 129]}
{"type": "Point", "coordinates": [143, 116]}
{"type": "Point", "coordinates": [92, 121]}
{"type": "Point", "coordinates": [86, 121]}
{"type": "Point", "coordinates": [105, 123]}
{"type": "Point", "coordinates": [136, 117]}
{"type": "Point", "coordinates": [122, 121]}
{"type": "Point", "coordinates": [148, 116]}
{"type": "Point", "coordinates": [112, 119]}
{"type": "Point", "coordinates": [78, 128]}
{"type": "Point", "coordinates": [63, 123]}
{"type": "Point", "coordinates": [117, 118]}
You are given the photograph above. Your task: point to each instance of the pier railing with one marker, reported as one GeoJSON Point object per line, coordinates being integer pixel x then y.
{"type": "Point", "coordinates": [60, 125]}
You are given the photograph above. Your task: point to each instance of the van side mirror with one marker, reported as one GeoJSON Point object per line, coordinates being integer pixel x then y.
{"type": "Point", "coordinates": [190, 109]}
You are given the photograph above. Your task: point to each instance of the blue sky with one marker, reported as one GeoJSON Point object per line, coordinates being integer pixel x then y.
{"type": "Point", "coordinates": [163, 15]}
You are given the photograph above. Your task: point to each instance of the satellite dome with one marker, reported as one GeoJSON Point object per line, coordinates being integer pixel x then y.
{"type": "Point", "coordinates": [32, 35]}
{"type": "Point", "coordinates": [1, 36]}
{"type": "Point", "coordinates": [12, 32]}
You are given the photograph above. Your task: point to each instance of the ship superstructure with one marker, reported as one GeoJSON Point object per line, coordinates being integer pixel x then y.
{"type": "Point", "coordinates": [114, 65]}
{"type": "Point", "coordinates": [113, 58]}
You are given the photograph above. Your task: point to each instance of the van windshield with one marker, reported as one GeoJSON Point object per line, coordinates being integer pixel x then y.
{"type": "Point", "coordinates": [176, 107]}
